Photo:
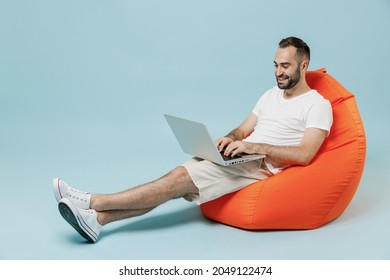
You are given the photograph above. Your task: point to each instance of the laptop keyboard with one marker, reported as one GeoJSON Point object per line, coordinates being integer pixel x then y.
{"type": "Point", "coordinates": [226, 158]}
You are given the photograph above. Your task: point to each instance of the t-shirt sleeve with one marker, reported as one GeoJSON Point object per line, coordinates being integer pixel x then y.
{"type": "Point", "coordinates": [260, 103]}
{"type": "Point", "coordinates": [256, 110]}
{"type": "Point", "coordinates": [320, 116]}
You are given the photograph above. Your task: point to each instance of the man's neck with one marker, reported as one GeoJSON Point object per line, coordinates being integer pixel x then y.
{"type": "Point", "coordinates": [299, 89]}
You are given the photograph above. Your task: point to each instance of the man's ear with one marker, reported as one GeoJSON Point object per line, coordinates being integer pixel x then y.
{"type": "Point", "coordinates": [304, 65]}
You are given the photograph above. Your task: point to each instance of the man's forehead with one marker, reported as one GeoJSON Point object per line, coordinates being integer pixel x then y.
{"type": "Point", "coordinates": [285, 55]}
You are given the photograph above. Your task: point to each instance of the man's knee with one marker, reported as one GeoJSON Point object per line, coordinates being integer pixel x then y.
{"type": "Point", "coordinates": [180, 175]}
{"type": "Point", "coordinates": [182, 181]}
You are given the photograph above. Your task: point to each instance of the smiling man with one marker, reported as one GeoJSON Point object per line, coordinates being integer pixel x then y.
{"type": "Point", "coordinates": [287, 59]}
{"type": "Point", "coordinates": [288, 124]}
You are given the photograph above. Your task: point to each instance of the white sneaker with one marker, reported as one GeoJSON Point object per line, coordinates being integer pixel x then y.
{"type": "Point", "coordinates": [83, 221]}
{"type": "Point", "coordinates": [62, 190]}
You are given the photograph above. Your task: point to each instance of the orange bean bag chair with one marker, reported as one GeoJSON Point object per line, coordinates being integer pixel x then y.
{"type": "Point", "coordinates": [304, 197]}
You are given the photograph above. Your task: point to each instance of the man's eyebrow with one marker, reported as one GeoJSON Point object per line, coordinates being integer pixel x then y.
{"type": "Point", "coordinates": [282, 63]}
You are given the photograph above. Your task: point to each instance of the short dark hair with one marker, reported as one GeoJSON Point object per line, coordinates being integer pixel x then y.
{"type": "Point", "coordinates": [303, 49]}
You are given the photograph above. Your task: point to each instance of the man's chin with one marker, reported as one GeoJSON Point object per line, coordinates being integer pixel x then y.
{"type": "Point", "coordinates": [287, 85]}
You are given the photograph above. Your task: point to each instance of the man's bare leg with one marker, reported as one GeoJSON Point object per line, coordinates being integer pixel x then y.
{"type": "Point", "coordinates": [142, 199]}
{"type": "Point", "coordinates": [109, 216]}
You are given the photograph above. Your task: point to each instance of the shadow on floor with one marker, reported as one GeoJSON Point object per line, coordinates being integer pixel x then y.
{"type": "Point", "coordinates": [167, 220]}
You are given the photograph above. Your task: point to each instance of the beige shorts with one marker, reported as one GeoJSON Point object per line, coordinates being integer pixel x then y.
{"type": "Point", "coordinates": [214, 180]}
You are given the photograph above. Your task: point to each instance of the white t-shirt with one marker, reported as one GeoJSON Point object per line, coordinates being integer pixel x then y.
{"type": "Point", "coordinates": [282, 122]}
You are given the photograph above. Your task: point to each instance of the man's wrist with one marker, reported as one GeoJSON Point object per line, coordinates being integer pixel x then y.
{"type": "Point", "coordinates": [230, 137]}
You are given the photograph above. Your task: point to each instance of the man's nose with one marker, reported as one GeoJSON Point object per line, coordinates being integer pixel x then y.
{"type": "Point", "coordinates": [278, 71]}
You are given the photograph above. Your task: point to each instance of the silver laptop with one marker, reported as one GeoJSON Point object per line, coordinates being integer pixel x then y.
{"type": "Point", "coordinates": [195, 140]}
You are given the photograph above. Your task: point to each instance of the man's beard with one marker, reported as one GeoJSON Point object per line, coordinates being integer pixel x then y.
{"type": "Point", "coordinates": [291, 80]}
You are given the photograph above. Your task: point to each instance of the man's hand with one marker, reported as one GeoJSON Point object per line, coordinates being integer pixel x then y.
{"type": "Point", "coordinates": [238, 133]}
{"type": "Point", "coordinates": [238, 147]}
{"type": "Point", "coordinates": [223, 142]}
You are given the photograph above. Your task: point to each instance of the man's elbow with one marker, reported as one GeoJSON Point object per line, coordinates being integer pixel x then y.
{"type": "Point", "coordinates": [306, 159]}
{"type": "Point", "coordinates": [305, 163]}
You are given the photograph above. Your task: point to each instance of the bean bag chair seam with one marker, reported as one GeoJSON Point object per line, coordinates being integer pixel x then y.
{"type": "Point", "coordinates": [360, 159]}
{"type": "Point", "coordinates": [258, 200]}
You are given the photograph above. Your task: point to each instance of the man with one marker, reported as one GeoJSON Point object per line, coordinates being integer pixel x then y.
{"type": "Point", "coordinates": [288, 124]}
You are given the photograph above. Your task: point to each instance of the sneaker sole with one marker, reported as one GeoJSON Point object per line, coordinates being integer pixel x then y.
{"type": "Point", "coordinates": [72, 216]}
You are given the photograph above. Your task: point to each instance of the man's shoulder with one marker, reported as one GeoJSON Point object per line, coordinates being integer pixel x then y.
{"type": "Point", "coordinates": [316, 96]}
{"type": "Point", "coordinates": [319, 101]}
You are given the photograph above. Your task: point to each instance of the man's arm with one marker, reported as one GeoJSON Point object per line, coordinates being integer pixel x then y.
{"type": "Point", "coordinates": [238, 133]}
{"type": "Point", "coordinates": [301, 154]}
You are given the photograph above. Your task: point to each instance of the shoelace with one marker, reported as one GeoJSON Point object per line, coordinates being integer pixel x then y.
{"type": "Point", "coordinates": [87, 211]}
{"type": "Point", "coordinates": [75, 194]}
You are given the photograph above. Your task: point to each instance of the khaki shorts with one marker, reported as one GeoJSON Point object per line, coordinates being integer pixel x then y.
{"type": "Point", "coordinates": [214, 180]}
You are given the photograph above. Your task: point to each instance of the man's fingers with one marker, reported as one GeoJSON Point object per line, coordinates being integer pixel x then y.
{"type": "Point", "coordinates": [230, 148]}
{"type": "Point", "coordinates": [223, 143]}
{"type": "Point", "coordinates": [234, 148]}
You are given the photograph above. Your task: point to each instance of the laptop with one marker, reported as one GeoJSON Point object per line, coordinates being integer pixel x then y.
{"type": "Point", "coordinates": [195, 140]}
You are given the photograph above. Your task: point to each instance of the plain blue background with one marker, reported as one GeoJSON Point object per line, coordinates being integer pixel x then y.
{"type": "Point", "coordinates": [84, 86]}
